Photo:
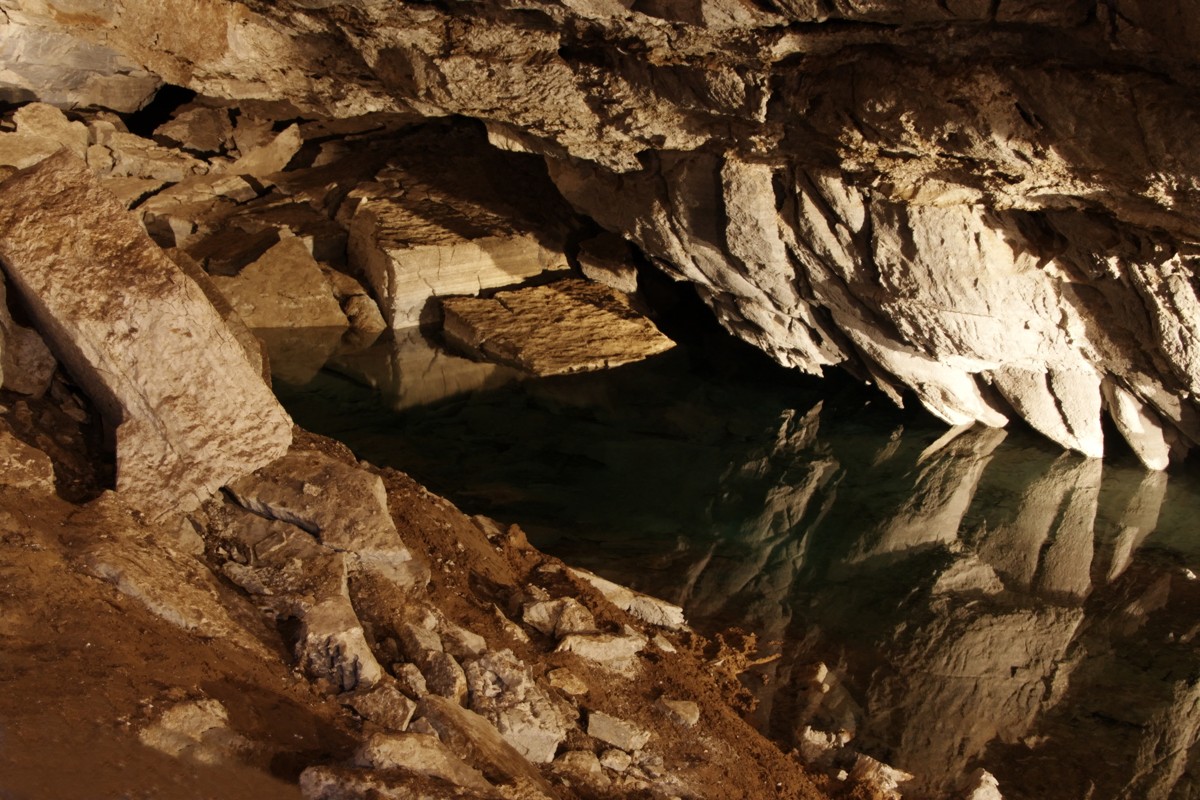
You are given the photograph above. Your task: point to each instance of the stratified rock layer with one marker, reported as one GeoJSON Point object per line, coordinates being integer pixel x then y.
{"type": "Point", "coordinates": [189, 410]}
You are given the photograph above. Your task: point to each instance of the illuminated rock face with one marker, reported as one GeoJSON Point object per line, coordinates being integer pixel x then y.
{"type": "Point", "coordinates": [990, 207]}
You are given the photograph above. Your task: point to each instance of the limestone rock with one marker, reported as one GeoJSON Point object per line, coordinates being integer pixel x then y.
{"type": "Point", "coordinates": [982, 785]}
{"type": "Point", "coordinates": [643, 606]}
{"type": "Point", "coordinates": [21, 150]}
{"type": "Point", "coordinates": [46, 122]}
{"type": "Point", "coordinates": [415, 250]}
{"type": "Point", "coordinates": [562, 678]}
{"type": "Point", "coordinates": [198, 730]}
{"type": "Point", "coordinates": [583, 766]}
{"type": "Point", "coordinates": [477, 742]}
{"type": "Point", "coordinates": [608, 259]}
{"type": "Point", "coordinates": [617, 732]}
{"type": "Point", "coordinates": [284, 288]}
{"type": "Point", "coordinates": [882, 778]}
{"type": "Point", "coordinates": [201, 129]}
{"type": "Point", "coordinates": [617, 652]}
{"type": "Point", "coordinates": [384, 705]}
{"type": "Point", "coordinates": [504, 692]}
{"type": "Point", "coordinates": [568, 326]}
{"type": "Point", "coordinates": [343, 783]}
{"type": "Point", "coordinates": [559, 617]}
{"type": "Point", "coordinates": [270, 157]}
{"type": "Point", "coordinates": [615, 760]}
{"type": "Point", "coordinates": [445, 677]}
{"type": "Point", "coordinates": [685, 712]}
{"type": "Point", "coordinates": [192, 412]}
{"type": "Point", "coordinates": [424, 755]}
{"type": "Point", "coordinates": [136, 157]}
{"type": "Point", "coordinates": [344, 506]}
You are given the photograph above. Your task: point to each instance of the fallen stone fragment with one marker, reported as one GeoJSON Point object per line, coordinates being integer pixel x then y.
{"type": "Point", "coordinates": [21, 150]}
{"type": "Point", "coordinates": [982, 785]}
{"type": "Point", "coordinates": [583, 766]}
{"type": "Point", "coordinates": [343, 783]}
{"type": "Point", "coordinates": [384, 704]}
{"type": "Point", "coordinates": [344, 506]}
{"type": "Point", "coordinates": [685, 712]}
{"type": "Point", "coordinates": [201, 129]}
{"type": "Point", "coordinates": [46, 122]}
{"type": "Point", "coordinates": [505, 693]}
{"type": "Point", "coordinates": [284, 288]}
{"type": "Point", "coordinates": [190, 412]}
{"type": "Point", "coordinates": [414, 249]}
{"type": "Point", "coordinates": [423, 755]}
{"type": "Point", "coordinates": [559, 617]}
{"type": "Point", "coordinates": [617, 732]}
{"type": "Point", "coordinates": [968, 573]}
{"type": "Point", "coordinates": [1140, 426]}
{"type": "Point", "coordinates": [460, 642]}
{"type": "Point", "coordinates": [643, 606]}
{"type": "Point", "coordinates": [136, 157]}
{"type": "Point", "coordinates": [617, 652]}
{"type": "Point", "coordinates": [884, 779]}
{"type": "Point", "coordinates": [271, 157]}
{"type": "Point", "coordinates": [562, 678]}
{"type": "Point", "coordinates": [615, 760]}
{"type": "Point", "coordinates": [197, 730]}
{"type": "Point", "coordinates": [22, 466]}
{"type": "Point", "coordinates": [445, 677]}
{"type": "Point", "coordinates": [358, 306]}
{"type": "Point", "coordinates": [410, 679]}
{"type": "Point", "coordinates": [567, 326]}
{"type": "Point", "coordinates": [477, 742]}
{"type": "Point", "coordinates": [819, 748]}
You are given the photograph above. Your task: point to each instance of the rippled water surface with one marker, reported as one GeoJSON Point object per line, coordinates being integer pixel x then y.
{"type": "Point", "coordinates": [979, 599]}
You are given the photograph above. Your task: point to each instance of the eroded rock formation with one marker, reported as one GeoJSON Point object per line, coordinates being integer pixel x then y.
{"type": "Point", "coordinates": [992, 206]}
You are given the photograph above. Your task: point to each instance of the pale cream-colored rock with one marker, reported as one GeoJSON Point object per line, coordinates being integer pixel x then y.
{"type": "Point", "coordinates": [559, 617]}
{"type": "Point", "coordinates": [21, 150]}
{"type": "Point", "coordinates": [136, 157]}
{"type": "Point", "coordinates": [284, 288]}
{"type": "Point", "coordinates": [270, 157]}
{"type": "Point", "coordinates": [346, 783]}
{"type": "Point", "coordinates": [444, 676]}
{"type": "Point", "coordinates": [361, 310]}
{"type": "Point", "coordinates": [643, 606]}
{"type": "Point", "coordinates": [415, 249]}
{"type": "Point", "coordinates": [882, 778]}
{"type": "Point", "coordinates": [566, 680]}
{"type": "Point", "coordinates": [197, 730]}
{"type": "Point", "coordinates": [424, 755]}
{"type": "Point", "coordinates": [504, 692]}
{"type": "Point", "coordinates": [567, 326]}
{"type": "Point", "coordinates": [47, 122]}
{"type": "Point", "coordinates": [384, 705]}
{"type": "Point", "coordinates": [1140, 426]}
{"type": "Point", "coordinates": [613, 651]}
{"type": "Point", "coordinates": [608, 259]}
{"type": "Point", "coordinates": [190, 411]}
{"type": "Point", "coordinates": [615, 731]}
{"type": "Point", "coordinates": [685, 712]}
{"type": "Point", "coordinates": [583, 766]}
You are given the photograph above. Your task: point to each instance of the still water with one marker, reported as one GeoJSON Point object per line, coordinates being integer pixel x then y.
{"type": "Point", "coordinates": [978, 600]}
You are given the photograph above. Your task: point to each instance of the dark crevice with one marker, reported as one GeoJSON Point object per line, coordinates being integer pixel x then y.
{"type": "Point", "coordinates": [158, 111]}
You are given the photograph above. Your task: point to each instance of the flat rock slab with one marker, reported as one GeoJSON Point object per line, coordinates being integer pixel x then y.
{"type": "Point", "coordinates": [284, 288]}
{"type": "Point", "coordinates": [567, 326]}
{"type": "Point", "coordinates": [190, 411]}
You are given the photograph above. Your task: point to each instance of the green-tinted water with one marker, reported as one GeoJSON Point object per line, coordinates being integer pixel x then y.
{"type": "Point", "coordinates": [982, 600]}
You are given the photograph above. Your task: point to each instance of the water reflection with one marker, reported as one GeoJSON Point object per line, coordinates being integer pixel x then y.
{"type": "Point", "coordinates": [979, 598]}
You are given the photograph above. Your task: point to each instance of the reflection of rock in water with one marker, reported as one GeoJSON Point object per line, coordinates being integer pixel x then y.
{"type": "Point", "coordinates": [961, 618]}
{"type": "Point", "coordinates": [413, 372]}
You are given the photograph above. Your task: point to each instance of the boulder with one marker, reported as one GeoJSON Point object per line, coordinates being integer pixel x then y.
{"type": "Point", "coordinates": [567, 326]}
{"type": "Point", "coordinates": [415, 249]}
{"type": "Point", "coordinates": [46, 122]}
{"type": "Point", "coordinates": [26, 364]}
{"type": "Point", "coordinates": [608, 259]}
{"type": "Point", "coordinates": [270, 157]}
{"type": "Point", "coordinates": [617, 732]}
{"type": "Point", "coordinates": [22, 466]}
{"type": "Point", "coordinates": [197, 730]}
{"type": "Point", "coordinates": [504, 692]}
{"type": "Point", "coordinates": [190, 411]}
{"type": "Point", "coordinates": [384, 704]}
{"type": "Point", "coordinates": [643, 606]}
{"type": "Point", "coordinates": [200, 129]}
{"type": "Point", "coordinates": [684, 712]}
{"type": "Point", "coordinates": [284, 288]}
{"type": "Point", "coordinates": [423, 755]}
{"type": "Point", "coordinates": [616, 652]}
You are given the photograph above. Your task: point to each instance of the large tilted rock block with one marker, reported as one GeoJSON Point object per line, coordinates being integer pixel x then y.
{"type": "Point", "coordinates": [414, 250]}
{"type": "Point", "coordinates": [190, 411]}
{"type": "Point", "coordinates": [284, 288]}
{"type": "Point", "coordinates": [567, 326]}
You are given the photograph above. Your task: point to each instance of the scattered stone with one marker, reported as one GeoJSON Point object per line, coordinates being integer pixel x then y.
{"type": "Point", "coordinates": [133, 156]}
{"type": "Point", "coordinates": [460, 642]}
{"type": "Point", "coordinates": [200, 129]}
{"type": "Point", "coordinates": [663, 643]}
{"type": "Point", "coordinates": [344, 506]}
{"type": "Point", "coordinates": [271, 157]}
{"type": "Point", "coordinates": [22, 466]}
{"type": "Point", "coordinates": [445, 677]}
{"type": "Point", "coordinates": [882, 778]}
{"type": "Point", "coordinates": [190, 412]}
{"type": "Point", "coordinates": [418, 642]}
{"type": "Point", "coordinates": [615, 760]}
{"type": "Point", "coordinates": [617, 732]}
{"type": "Point", "coordinates": [18, 150]}
{"type": "Point", "coordinates": [197, 730]}
{"type": "Point", "coordinates": [566, 680]}
{"type": "Point", "coordinates": [685, 712]}
{"type": "Point", "coordinates": [358, 306]}
{"type": "Point", "coordinates": [643, 606]}
{"type": "Point", "coordinates": [982, 785]}
{"type": "Point", "coordinates": [46, 122]}
{"type": "Point", "coordinates": [284, 288]}
{"type": "Point", "coordinates": [424, 755]}
{"type": "Point", "coordinates": [414, 250]}
{"type": "Point", "coordinates": [583, 766]}
{"type": "Point", "coordinates": [410, 679]}
{"type": "Point", "coordinates": [559, 617]}
{"type": "Point", "coordinates": [968, 574]}
{"type": "Point", "coordinates": [820, 748]}
{"type": "Point", "coordinates": [617, 652]}
{"type": "Point", "coordinates": [567, 326]}
{"type": "Point", "coordinates": [344, 783]}
{"type": "Point", "coordinates": [504, 692]}
{"type": "Point", "coordinates": [608, 259]}
{"type": "Point", "coordinates": [477, 742]}
{"type": "Point", "coordinates": [384, 705]}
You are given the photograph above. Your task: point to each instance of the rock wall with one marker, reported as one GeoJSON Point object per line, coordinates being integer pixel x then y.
{"type": "Point", "coordinates": [992, 206]}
